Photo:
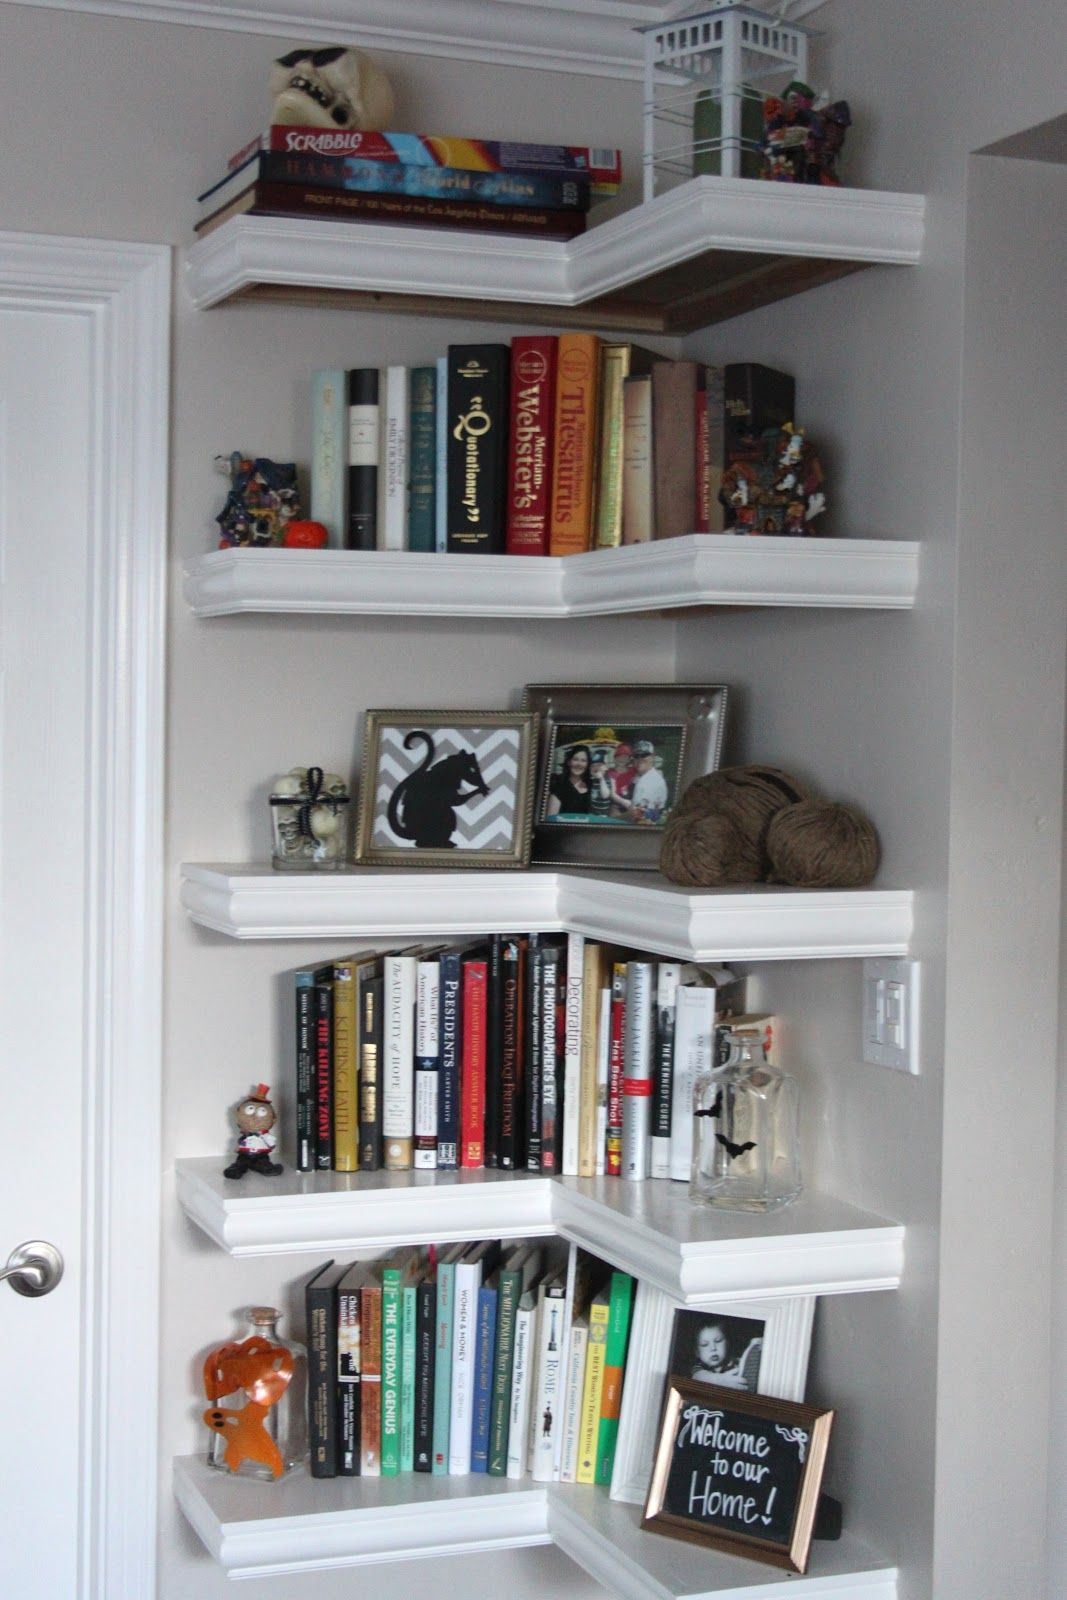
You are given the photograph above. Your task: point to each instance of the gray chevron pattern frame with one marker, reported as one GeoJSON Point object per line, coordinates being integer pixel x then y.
{"type": "Point", "coordinates": [447, 788]}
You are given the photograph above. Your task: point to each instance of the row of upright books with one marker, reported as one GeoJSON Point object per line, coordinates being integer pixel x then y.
{"type": "Point", "coordinates": [549, 445]}
{"type": "Point", "coordinates": [350, 175]}
{"type": "Point", "coordinates": [539, 1053]}
{"type": "Point", "coordinates": [501, 1358]}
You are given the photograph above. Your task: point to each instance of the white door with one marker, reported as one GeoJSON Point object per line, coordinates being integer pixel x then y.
{"type": "Point", "coordinates": [78, 881]}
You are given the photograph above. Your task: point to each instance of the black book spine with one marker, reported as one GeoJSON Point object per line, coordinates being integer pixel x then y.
{"type": "Point", "coordinates": [494, 1047]}
{"type": "Point", "coordinates": [324, 1069]}
{"type": "Point", "coordinates": [534, 1053]}
{"type": "Point", "coordinates": [364, 429]}
{"type": "Point", "coordinates": [425, 1336]}
{"type": "Point", "coordinates": [348, 1381]}
{"type": "Point", "coordinates": [755, 398]}
{"type": "Point", "coordinates": [370, 1068]}
{"type": "Point", "coordinates": [663, 1075]}
{"type": "Point", "coordinates": [477, 438]}
{"type": "Point", "coordinates": [320, 1305]}
{"type": "Point", "coordinates": [305, 1073]}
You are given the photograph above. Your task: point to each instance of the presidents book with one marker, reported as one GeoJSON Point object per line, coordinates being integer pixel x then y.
{"type": "Point", "coordinates": [345, 205]}
{"type": "Point", "coordinates": [477, 437]}
{"type": "Point", "coordinates": [450, 1058]}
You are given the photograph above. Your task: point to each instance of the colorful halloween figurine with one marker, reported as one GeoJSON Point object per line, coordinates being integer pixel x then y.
{"type": "Point", "coordinates": [802, 138]}
{"type": "Point", "coordinates": [255, 1118]}
{"type": "Point", "coordinates": [775, 486]}
{"type": "Point", "coordinates": [261, 503]}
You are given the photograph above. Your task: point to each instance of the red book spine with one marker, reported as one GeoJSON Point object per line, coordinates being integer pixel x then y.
{"type": "Point", "coordinates": [530, 443]}
{"type": "Point", "coordinates": [616, 1040]}
{"type": "Point", "coordinates": [472, 1082]}
{"type": "Point", "coordinates": [703, 461]}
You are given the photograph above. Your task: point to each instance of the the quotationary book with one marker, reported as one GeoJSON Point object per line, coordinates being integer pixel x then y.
{"type": "Point", "coordinates": [348, 1372]}
{"type": "Point", "coordinates": [345, 1067]}
{"type": "Point", "coordinates": [619, 1311]}
{"type": "Point", "coordinates": [393, 466]}
{"type": "Point", "coordinates": [546, 1399]}
{"type": "Point", "coordinates": [370, 1320]}
{"type": "Point", "coordinates": [370, 1062]}
{"type": "Point", "coordinates": [442, 1372]}
{"type": "Point", "coordinates": [425, 1336]}
{"type": "Point", "coordinates": [571, 1077]}
{"type": "Point", "coordinates": [510, 1150]}
{"type": "Point", "coordinates": [476, 1262]}
{"type": "Point", "coordinates": [618, 361]}
{"type": "Point", "coordinates": [637, 1069]}
{"type": "Point", "coordinates": [324, 1068]}
{"type": "Point", "coordinates": [517, 1272]}
{"type": "Point", "coordinates": [266, 199]}
{"type": "Point", "coordinates": [398, 1063]}
{"type": "Point", "coordinates": [472, 1079]}
{"type": "Point", "coordinates": [577, 383]}
{"type": "Point", "coordinates": [320, 1308]}
{"type": "Point", "coordinates": [589, 1429]}
{"type": "Point", "coordinates": [306, 1121]}
{"type": "Point", "coordinates": [477, 447]}
{"type": "Point", "coordinates": [329, 453]}
{"type": "Point", "coordinates": [484, 1351]}
{"type": "Point", "coordinates": [572, 1398]}
{"type": "Point", "coordinates": [530, 442]}
{"type": "Point", "coordinates": [674, 387]}
{"type": "Point", "coordinates": [616, 1062]}
{"type": "Point", "coordinates": [448, 1084]}
{"type": "Point", "coordinates": [637, 456]}
{"type": "Point", "coordinates": [422, 457]}
{"type": "Point", "coordinates": [408, 1361]}
{"type": "Point", "coordinates": [427, 1058]}
{"type": "Point", "coordinates": [364, 443]}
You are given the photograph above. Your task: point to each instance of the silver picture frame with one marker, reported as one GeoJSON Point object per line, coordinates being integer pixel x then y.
{"type": "Point", "coordinates": [692, 717]}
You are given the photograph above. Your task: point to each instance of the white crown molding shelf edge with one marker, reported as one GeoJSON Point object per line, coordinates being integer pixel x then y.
{"type": "Point", "coordinates": [707, 213]}
{"type": "Point", "coordinates": [637, 909]}
{"type": "Point", "coordinates": [695, 570]}
{"type": "Point", "coordinates": [594, 37]}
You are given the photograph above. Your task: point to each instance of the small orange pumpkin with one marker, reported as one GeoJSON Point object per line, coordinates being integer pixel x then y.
{"type": "Point", "coordinates": [305, 536]}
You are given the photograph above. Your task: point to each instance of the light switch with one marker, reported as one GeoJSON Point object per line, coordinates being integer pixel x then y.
{"type": "Point", "coordinates": [891, 1014]}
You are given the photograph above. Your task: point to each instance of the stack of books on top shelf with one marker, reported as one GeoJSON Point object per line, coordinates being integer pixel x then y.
{"type": "Point", "coordinates": [548, 1053]}
{"type": "Point", "coordinates": [500, 1358]}
{"type": "Point", "coordinates": [552, 445]}
{"type": "Point", "coordinates": [426, 179]}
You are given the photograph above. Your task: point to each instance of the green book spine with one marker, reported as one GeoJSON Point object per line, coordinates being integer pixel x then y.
{"type": "Point", "coordinates": [442, 1377]}
{"type": "Point", "coordinates": [422, 462]}
{"type": "Point", "coordinates": [619, 1306]}
{"type": "Point", "coordinates": [390, 1372]}
{"type": "Point", "coordinates": [510, 1288]}
{"type": "Point", "coordinates": [407, 1378]}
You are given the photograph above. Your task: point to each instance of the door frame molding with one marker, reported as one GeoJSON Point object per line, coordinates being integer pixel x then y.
{"type": "Point", "coordinates": [123, 293]}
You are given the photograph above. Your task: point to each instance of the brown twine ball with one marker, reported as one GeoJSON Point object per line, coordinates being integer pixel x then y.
{"type": "Point", "coordinates": [823, 844]}
{"type": "Point", "coordinates": [717, 834]}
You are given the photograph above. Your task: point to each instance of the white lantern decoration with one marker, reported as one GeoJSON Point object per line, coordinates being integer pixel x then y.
{"type": "Point", "coordinates": [705, 78]}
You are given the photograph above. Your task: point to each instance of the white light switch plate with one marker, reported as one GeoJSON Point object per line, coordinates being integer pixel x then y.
{"type": "Point", "coordinates": [891, 1014]}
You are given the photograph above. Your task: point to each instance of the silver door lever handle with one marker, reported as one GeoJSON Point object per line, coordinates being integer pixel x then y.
{"type": "Point", "coordinates": [33, 1268]}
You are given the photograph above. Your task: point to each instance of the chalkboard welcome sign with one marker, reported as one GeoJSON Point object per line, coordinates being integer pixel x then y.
{"type": "Point", "coordinates": [739, 1472]}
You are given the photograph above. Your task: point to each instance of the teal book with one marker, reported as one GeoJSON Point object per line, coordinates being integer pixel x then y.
{"type": "Point", "coordinates": [408, 1296]}
{"type": "Point", "coordinates": [619, 1309]}
{"type": "Point", "coordinates": [422, 460]}
{"type": "Point", "coordinates": [442, 1367]}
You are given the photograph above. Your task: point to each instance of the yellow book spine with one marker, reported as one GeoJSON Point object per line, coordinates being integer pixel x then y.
{"type": "Point", "coordinates": [577, 383]}
{"type": "Point", "coordinates": [345, 1071]}
{"type": "Point", "coordinates": [592, 1393]}
{"type": "Point", "coordinates": [614, 367]}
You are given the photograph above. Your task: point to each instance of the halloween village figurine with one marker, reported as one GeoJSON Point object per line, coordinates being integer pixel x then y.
{"type": "Point", "coordinates": [255, 1118]}
{"type": "Point", "coordinates": [774, 485]}
{"type": "Point", "coordinates": [262, 501]}
{"type": "Point", "coordinates": [803, 138]}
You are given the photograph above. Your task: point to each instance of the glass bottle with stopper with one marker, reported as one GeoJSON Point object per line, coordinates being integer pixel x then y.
{"type": "Point", "coordinates": [745, 1133]}
{"type": "Point", "coordinates": [256, 1389]}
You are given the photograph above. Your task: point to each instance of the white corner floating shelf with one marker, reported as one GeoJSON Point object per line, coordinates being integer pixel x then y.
{"type": "Point", "coordinates": [257, 1530]}
{"type": "Point", "coordinates": [698, 569]}
{"type": "Point", "coordinates": [639, 909]}
{"type": "Point", "coordinates": [819, 1245]}
{"type": "Point", "coordinates": [709, 249]}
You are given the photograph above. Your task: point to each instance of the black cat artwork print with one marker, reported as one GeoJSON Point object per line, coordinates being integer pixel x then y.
{"type": "Point", "coordinates": [447, 788]}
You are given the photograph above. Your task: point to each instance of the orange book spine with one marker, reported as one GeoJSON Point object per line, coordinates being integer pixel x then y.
{"type": "Point", "coordinates": [574, 464]}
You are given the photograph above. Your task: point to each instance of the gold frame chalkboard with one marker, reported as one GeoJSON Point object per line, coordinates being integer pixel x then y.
{"type": "Point", "coordinates": [791, 1554]}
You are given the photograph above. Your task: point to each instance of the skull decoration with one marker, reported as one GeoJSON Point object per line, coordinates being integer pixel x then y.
{"type": "Point", "coordinates": [332, 87]}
